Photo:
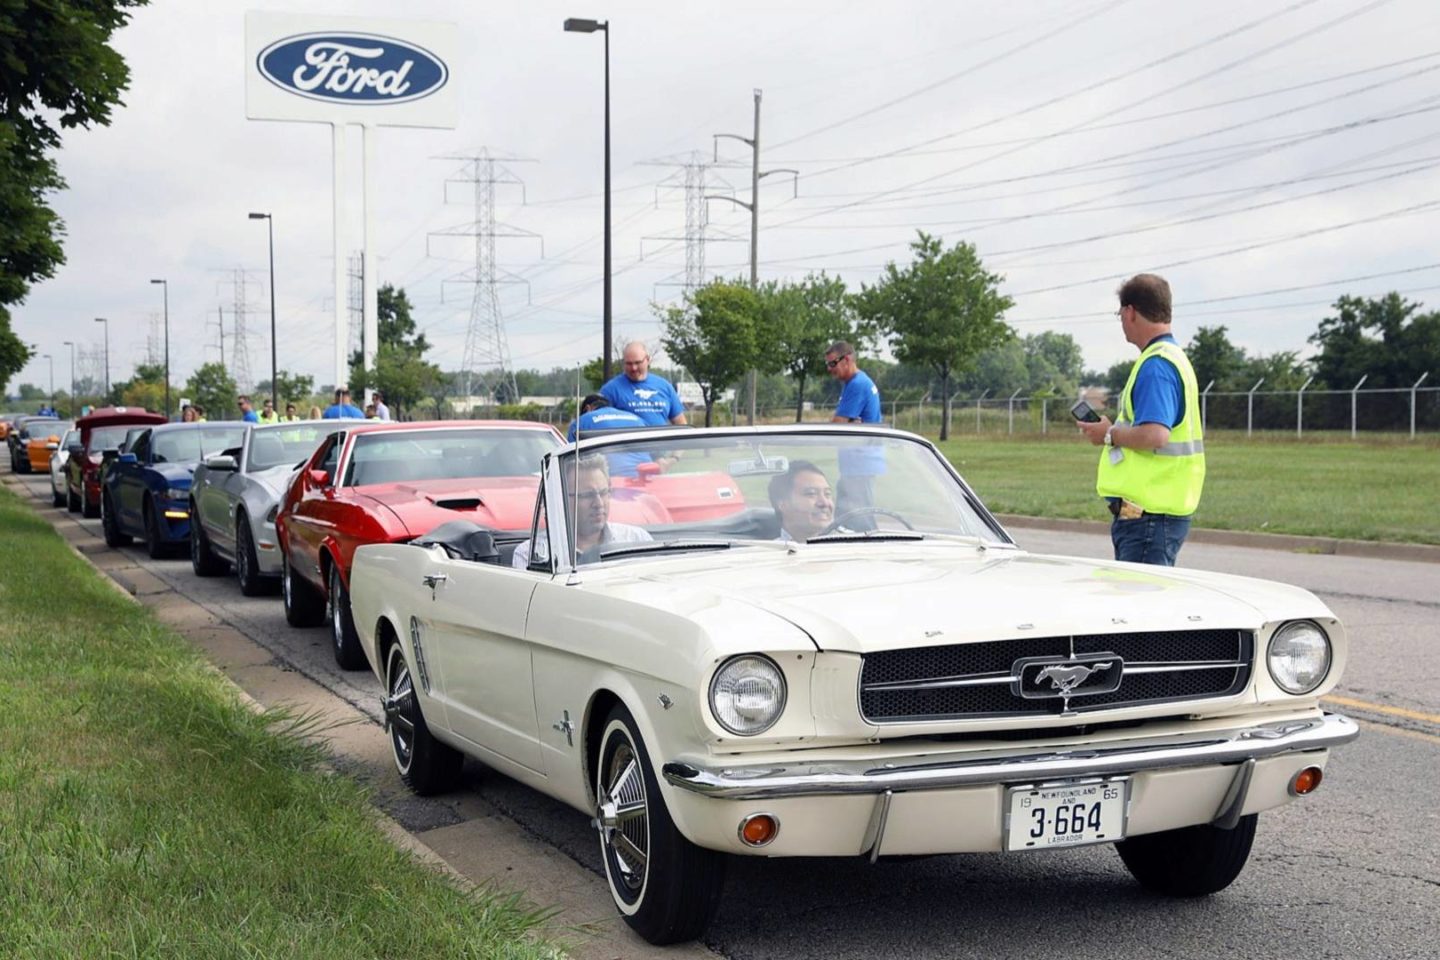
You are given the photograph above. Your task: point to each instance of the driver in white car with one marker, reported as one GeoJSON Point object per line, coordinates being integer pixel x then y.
{"type": "Point", "coordinates": [803, 501]}
{"type": "Point", "coordinates": [591, 503]}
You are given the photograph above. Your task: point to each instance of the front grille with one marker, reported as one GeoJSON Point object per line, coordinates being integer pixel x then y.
{"type": "Point", "coordinates": [978, 679]}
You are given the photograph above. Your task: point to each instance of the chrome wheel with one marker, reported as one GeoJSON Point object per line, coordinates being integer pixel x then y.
{"type": "Point", "coordinates": [400, 710]}
{"type": "Point", "coordinates": [623, 820]}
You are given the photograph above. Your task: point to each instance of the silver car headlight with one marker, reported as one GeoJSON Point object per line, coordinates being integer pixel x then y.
{"type": "Point", "coordinates": [747, 695]}
{"type": "Point", "coordinates": [1299, 656]}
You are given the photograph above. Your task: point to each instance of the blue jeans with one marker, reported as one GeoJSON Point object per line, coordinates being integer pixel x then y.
{"type": "Point", "coordinates": [1154, 538]}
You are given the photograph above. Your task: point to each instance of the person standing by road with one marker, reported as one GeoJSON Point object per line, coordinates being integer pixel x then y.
{"type": "Point", "coordinates": [268, 414]}
{"type": "Point", "coordinates": [342, 408]}
{"type": "Point", "coordinates": [1152, 465]}
{"type": "Point", "coordinates": [382, 412]}
{"type": "Point", "coordinates": [859, 465]}
{"type": "Point", "coordinates": [647, 395]}
{"type": "Point", "coordinates": [247, 412]}
{"type": "Point", "coordinates": [290, 415]}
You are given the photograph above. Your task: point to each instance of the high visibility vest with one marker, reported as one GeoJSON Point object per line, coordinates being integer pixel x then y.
{"type": "Point", "coordinates": [1167, 480]}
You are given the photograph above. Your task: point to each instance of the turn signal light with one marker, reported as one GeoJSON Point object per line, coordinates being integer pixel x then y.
{"type": "Point", "coordinates": [758, 829]}
{"type": "Point", "coordinates": [1306, 781]}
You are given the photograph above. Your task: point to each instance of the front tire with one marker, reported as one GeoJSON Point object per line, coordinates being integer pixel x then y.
{"type": "Point", "coordinates": [57, 498]}
{"type": "Point", "coordinates": [343, 637]}
{"type": "Point", "coordinates": [72, 502]}
{"type": "Point", "coordinates": [665, 887]}
{"type": "Point", "coordinates": [1189, 862]}
{"type": "Point", "coordinates": [425, 764]}
{"type": "Point", "coordinates": [110, 524]}
{"type": "Point", "coordinates": [155, 544]}
{"type": "Point", "coordinates": [247, 567]}
{"type": "Point", "coordinates": [86, 510]}
{"type": "Point", "coordinates": [303, 605]}
{"type": "Point", "coordinates": [202, 559]}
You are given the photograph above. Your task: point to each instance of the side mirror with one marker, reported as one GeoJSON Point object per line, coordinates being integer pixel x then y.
{"type": "Point", "coordinates": [76, 450]}
{"type": "Point", "coordinates": [647, 471]}
{"type": "Point", "coordinates": [220, 461]}
{"type": "Point", "coordinates": [319, 478]}
{"type": "Point", "coordinates": [128, 458]}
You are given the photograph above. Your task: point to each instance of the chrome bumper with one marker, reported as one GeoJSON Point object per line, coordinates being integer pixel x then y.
{"type": "Point", "coordinates": [830, 778]}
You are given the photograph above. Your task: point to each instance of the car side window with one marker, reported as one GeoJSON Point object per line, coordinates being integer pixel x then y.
{"type": "Point", "coordinates": [140, 446]}
{"type": "Point", "coordinates": [330, 459]}
{"type": "Point", "coordinates": [539, 537]}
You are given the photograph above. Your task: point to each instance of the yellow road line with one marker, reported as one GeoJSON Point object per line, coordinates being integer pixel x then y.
{"type": "Point", "coordinates": [1382, 708]}
{"type": "Point", "coordinates": [1399, 731]}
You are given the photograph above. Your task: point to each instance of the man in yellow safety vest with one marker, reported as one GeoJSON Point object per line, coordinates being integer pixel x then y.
{"type": "Point", "coordinates": [1152, 465]}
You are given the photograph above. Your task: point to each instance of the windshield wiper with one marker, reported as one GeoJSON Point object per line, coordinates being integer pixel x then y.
{"type": "Point", "coordinates": [662, 546]}
{"type": "Point", "coordinates": [858, 535]}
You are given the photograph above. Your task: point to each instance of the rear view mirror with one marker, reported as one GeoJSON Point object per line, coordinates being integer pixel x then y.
{"type": "Point", "coordinates": [647, 471]}
{"type": "Point", "coordinates": [76, 450]}
{"type": "Point", "coordinates": [759, 467]}
{"type": "Point", "coordinates": [320, 478]}
{"type": "Point", "coordinates": [222, 461]}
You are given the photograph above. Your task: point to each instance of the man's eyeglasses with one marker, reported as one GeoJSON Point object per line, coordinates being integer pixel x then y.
{"type": "Point", "coordinates": [832, 364]}
{"type": "Point", "coordinates": [595, 495]}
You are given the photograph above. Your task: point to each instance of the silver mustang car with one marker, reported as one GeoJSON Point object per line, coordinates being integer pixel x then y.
{"type": "Point", "coordinates": [235, 496]}
{"type": "Point", "coordinates": [58, 456]}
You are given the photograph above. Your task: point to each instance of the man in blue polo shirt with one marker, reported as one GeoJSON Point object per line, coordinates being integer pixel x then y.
{"type": "Point", "coordinates": [597, 414]}
{"type": "Point", "coordinates": [647, 395]}
{"type": "Point", "coordinates": [859, 464]}
{"type": "Point", "coordinates": [342, 408]}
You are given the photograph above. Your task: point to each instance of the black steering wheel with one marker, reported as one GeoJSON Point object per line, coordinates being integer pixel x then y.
{"type": "Point", "coordinates": [839, 521]}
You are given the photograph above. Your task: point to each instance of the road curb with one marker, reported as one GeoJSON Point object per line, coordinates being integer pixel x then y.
{"type": "Point", "coordinates": [1290, 543]}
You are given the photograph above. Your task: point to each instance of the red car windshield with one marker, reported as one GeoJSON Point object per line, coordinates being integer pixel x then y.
{"type": "Point", "coordinates": [412, 455]}
{"type": "Point", "coordinates": [108, 438]}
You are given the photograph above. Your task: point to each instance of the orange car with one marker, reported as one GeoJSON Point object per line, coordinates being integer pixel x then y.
{"type": "Point", "coordinates": [44, 440]}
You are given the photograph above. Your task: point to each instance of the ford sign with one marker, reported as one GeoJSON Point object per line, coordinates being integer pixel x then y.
{"type": "Point", "coordinates": [358, 68]}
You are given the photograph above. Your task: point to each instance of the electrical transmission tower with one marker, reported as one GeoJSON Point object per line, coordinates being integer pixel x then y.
{"type": "Point", "coordinates": [239, 368]}
{"type": "Point", "coordinates": [355, 301]}
{"type": "Point", "coordinates": [696, 176]}
{"type": "Point", "coordinates": [152, 342]}
{"type": "Point", "coordinates": [485, 365]}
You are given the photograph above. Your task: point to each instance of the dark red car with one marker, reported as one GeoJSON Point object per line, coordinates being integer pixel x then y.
{"type": "Point", "coordinates": [101, 432]}
{"type": "Point", "coordinates": [382, 482]}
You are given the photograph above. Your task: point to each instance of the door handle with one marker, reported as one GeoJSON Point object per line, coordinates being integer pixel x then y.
{"type": "Point", "coordinates": [432, 579]}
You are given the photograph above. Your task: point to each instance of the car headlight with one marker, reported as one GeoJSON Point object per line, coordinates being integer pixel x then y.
{"type": "Point", "coordinates": [1299, 656]}
{"type": "Point", "coordinates": [175, 493]}
{"type": "Point", "coordinates": [747, 695]}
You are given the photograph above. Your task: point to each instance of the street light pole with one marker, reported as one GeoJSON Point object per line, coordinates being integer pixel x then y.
{"type": "Point", "coordinates": [574, 25]}
{"type": "Point", "coordinates": [73, 408]}
{"type": "Point", "coordinates": [46, 356]}
{"type": "Point", "coordinates": [166, 286]}
{"type": "Point", "coordinates": [274, 373]}
{"type": "Point", "coordinates": [106, 398]}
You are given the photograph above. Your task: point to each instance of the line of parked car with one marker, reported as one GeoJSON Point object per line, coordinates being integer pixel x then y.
{"type": "Point", "coordinates": [689, 636]}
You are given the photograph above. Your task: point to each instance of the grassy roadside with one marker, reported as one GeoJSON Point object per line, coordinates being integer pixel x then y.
{"type": "Point", "coordinates": [1363, 490]}
{"type": "Point", "coordinates": [145, 812]}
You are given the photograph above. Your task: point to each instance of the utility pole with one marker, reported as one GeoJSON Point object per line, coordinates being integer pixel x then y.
{"type": "Point", "coordinates": [754, 207]}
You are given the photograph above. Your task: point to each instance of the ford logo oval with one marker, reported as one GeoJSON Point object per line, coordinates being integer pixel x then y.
{"type": "Point", "coordinates": [361, 68]}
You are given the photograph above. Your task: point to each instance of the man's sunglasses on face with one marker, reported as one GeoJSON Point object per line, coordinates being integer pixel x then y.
{"type": "Point", "coordinates": [832, 364]}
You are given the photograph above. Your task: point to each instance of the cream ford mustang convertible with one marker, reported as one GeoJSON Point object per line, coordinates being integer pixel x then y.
{"type": "Point", "coordinates": [816, 641]}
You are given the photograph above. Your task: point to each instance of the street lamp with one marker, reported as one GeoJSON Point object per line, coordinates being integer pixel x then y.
{"type": "Point", "coordinates": [274, 375]}
{"type": "Point", "coordinates": [166, 286]}
{"type": "Point", "coordinates": [573, 25]}
{"type": "Point", "coordinates": [46, 356]}
{"type": "Point", "coordinates": [106, 398]}
{"type": "Point", "coordinates": [73, 407]}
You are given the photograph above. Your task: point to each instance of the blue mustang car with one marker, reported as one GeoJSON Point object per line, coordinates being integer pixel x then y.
{"type": "Point", "coordinates": [146, 490]}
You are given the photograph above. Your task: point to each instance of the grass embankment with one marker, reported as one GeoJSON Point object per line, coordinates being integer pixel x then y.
{"type": "Point", "coordinates": [1363, 490]}
{"type": "Point", "coordinates": [145, 812]}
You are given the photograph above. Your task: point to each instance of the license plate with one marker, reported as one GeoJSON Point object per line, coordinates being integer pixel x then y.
{"type": "Point", "coordinates": [1050, 815]}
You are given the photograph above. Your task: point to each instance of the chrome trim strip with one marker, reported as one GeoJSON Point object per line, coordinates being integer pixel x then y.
{"type": "Point", "coordinates": [1228, 816]}
{"type": "Point", "coordinates": [991, 679]}
{"type": "Point", "coordinates": [875, 832]}
{"type": "Point", "coordinates": [1000, 766]}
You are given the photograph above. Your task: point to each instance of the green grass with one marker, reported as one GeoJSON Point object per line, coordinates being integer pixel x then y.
{"type": "Point", "coordinates": [145, 812]}
{"type": "Point", "coordinates": [1381, 489]}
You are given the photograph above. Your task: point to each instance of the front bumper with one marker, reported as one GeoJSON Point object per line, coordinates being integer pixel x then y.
{"type": "Point", "coordinates": [922, 804]}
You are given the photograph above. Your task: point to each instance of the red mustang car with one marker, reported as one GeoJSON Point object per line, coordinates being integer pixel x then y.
{"type": "Point", "coordinates": [101, 433]}
{"type": "Point", "coordinates": [383, 482]}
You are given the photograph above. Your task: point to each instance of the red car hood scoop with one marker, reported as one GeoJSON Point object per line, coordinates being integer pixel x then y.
{"type": "Point", "coordinates": [500, 503]}
{"type": "Point", "coordinates": [450, 502]}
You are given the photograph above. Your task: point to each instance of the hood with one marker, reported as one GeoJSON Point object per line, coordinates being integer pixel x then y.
{"type": "Point", "coordinates": [176, 474]}
{"type": "Point", "coordinates": [501, 503]}
{"type": "Point", "coordinates": [276, 479]}
{"type": "Point", "coordinates": [884, 597]}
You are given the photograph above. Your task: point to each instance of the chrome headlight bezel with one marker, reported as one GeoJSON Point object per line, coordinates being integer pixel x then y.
{"type": "Point", "coordinates": [1281, 644]}
{"type": "Point", "coordinates": [759, 672]}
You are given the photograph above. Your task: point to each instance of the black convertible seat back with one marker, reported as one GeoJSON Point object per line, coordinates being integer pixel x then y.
{"type": "Point", "coordinates": [463, 540]}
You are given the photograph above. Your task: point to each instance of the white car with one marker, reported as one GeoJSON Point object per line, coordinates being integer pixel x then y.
{"type": "Point", "coordinates": [780, 675]}
{"type": "Point", "coordinates": [58, 456]}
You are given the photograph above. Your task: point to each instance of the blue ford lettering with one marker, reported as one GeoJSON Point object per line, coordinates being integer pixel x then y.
{"type": "Point", "coordinates": [352, 68]}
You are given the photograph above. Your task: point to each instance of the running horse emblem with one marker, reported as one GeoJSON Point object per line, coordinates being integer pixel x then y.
{"type": "Point", "coordinates": [1066, 677]}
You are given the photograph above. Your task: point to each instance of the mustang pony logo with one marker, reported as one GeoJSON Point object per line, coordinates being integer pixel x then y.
{"type": "Point", "coordinates": [1066, 678]}
{"type": "Point", "coordinates": [644, 393]}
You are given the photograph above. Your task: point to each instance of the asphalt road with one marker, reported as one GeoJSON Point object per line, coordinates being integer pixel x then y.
{"type": "Point", "coordinates": [1353, 871]}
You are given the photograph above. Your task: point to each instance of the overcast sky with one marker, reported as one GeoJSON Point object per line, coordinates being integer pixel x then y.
{"type": "Point", "coordinates": [1256, 153]}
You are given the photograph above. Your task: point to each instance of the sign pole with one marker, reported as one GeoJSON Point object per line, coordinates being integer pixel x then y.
{"type": "Point", "coordinates": [371, 309]}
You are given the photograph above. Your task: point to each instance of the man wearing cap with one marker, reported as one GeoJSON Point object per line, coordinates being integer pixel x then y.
{"type": "Point", "coordinates": [647, 395]}
{"type": "Point", "coordinates": [596, 413]}
{"type": "Point", "coordinates": [1152, 461]}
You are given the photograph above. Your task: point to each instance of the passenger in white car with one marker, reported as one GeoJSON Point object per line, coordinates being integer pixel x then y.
{"type": "Point", "coordinates": [803, 501]}
{"type": "Point", "coordinates": [590, 501]}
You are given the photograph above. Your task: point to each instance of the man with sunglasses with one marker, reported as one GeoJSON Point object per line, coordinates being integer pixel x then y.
{"type": "Point", "coordinates": [859, 465]}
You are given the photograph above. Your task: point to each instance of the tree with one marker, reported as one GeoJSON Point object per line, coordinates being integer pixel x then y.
{"type": "Point", "coordinates": [1384, 339]}
{"type": "Point", "coordinates": [1215, 358]}
{"type": "Point", "coordinates": [942, 311]}
{"type": "Point", "coordinates": [713, 336]}
{"type": "Point", "coordinates": [289, 388]}
{"type": "Point", "coordinates": [401, 374]}
{"type": "Point", "coordinates": [797, 322]}
{"type": "Point", "coordinates": [211, 389]}
{"type": "Point", "coordinates": [394, 327]}
{"type": "Point", "coordinates": [57, 71]}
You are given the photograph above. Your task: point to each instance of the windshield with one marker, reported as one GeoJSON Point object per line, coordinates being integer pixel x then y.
{"type": "Point", "coordinates": [194, 444]}
{"type": "Point", "coordinates": [719, 491]}
{"type": "Point", "coordinates": [286, 446]}
{"type": "Point", "coordinates": [108, 438]}
{"type": "Point", "coordinates": [411, 455]}
{"type": "Point", "coordinates": [42, 429]}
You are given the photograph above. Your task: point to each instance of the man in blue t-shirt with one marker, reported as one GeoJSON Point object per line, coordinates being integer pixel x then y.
{"type": "Point", "coordinates": [859, 465]}
{"type": "Point", "coordinates": [342, 408]}
{"type": "Point", "coordinates": [597, 414]}
{"type": "Point", "coordinates": [649, 396]}
{"type": "Point", "coordinates": [247, 411]}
